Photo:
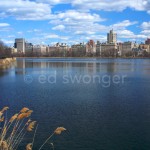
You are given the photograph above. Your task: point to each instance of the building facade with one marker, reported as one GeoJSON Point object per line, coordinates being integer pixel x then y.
{"type": "Point", "coordinates": [91, 47]}
{"type": "Point", "coordinates": [28, 48]}
{"type": "Point", "coordinates": [147, 41]}
{"type": "Point", "coordinates": [110, 49]}
{"type": "Point", "coordinates": [20, 45]}
{"type": "Point", "coordinates": [111, 37]}
{"type": "Point", "coordinates": [127, 47]}
{"type": "Point", "coordinates": [98, 48]}
{"type": "Point", "coordinates": [145, 47]}
{"type": "Point", "coordinates": [78, 50]}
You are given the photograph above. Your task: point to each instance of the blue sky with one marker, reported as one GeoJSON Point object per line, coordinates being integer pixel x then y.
{"type": "Point", "coordinates": [51, 21]}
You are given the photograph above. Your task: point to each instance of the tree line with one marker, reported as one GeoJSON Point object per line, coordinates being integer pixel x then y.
{"type": "Point", "coordinates": [5, 51]}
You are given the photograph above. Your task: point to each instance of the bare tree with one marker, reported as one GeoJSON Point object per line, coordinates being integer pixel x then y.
{"type": "Point", "coordinates": [5, 51]}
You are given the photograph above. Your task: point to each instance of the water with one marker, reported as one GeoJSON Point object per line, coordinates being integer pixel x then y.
{"type": "Point", "coordinates": [106, 108]}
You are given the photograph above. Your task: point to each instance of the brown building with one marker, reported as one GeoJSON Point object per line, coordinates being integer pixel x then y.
{"type": "Point", "coordinates": [91, 47]}
{"type": "Point", "coordinates": [145, 47]}
{"type": "Point", "coordinates": [147, 41]}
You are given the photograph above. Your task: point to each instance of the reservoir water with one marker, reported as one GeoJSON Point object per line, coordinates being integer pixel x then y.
{"type": "Point", "coordinates": [103, 103]}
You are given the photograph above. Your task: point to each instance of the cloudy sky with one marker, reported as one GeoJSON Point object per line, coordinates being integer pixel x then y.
{"type": "Point", "coordinates": [73, 21]}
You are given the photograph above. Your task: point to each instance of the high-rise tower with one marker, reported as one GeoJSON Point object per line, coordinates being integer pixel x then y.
{"type": "Point", "coordinates": [20, 45]}
{"type": "Point", "coordinates": [111, 37]}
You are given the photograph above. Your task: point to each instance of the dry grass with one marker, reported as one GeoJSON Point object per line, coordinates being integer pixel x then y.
{"type": "Point", "coordinates": [13, 131]}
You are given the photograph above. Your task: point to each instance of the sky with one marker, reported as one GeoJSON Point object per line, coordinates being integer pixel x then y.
{"type": "Point", "coordinates": [73, 21]}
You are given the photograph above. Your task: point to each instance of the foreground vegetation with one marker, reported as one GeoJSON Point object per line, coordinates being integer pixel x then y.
{"type": "Point", "coordinates": [13, 130]}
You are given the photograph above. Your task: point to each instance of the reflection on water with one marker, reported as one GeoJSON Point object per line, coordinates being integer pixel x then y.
{"type": "Point", "coordinates": [113, 118]}
{"type": "Point", "coordinates": [24, 66]}
{"type": "Point", "coordinates": [3, 72]}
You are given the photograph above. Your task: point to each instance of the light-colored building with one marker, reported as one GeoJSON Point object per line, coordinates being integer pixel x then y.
{"type": "Point", "coordinates": [57, 49]}
{"type": "Point", "coordinates": [111, 37]}
{"type": "Point", "coordinates": [40, 49]}
{"type": "Point", "coordinates": [119, 45]}
{"type": "Point", "coordinates": [20, 45]}
{"type": "Point", "coordinates": [52, 49]}
{"type": "Point", "coordinates": [109, 49]}
{"type": "Point", "coordinates": [28, 48]}
{"type": "Point", "coordinates": [75, 47]}
{"type": "Point", "coordinates": [13, 50]}
{"type": "Point", "coordinates": [91, 47]}
{"type": "Point", "coordinates": [36, 49]}
{"type": "Point", "coordinates": [127, 47]}
{"type": "Point", "coordinates": [106, 47]}
{"type": "Point", "coordinates": [63, 46]}
{"type": "Point", "coordinates": [148, 50]}
{"type": "Point", "coordinates": [43, 49]}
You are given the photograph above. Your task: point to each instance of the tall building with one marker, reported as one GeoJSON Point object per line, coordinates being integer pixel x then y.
{"type": "Point", "coordinates": [20, 45]}
{"type": "Point", "coordinates": [111, 37]}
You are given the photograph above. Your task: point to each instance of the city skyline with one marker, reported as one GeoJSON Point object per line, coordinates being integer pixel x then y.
{"type": "Point", "coordinates": [49, 21]}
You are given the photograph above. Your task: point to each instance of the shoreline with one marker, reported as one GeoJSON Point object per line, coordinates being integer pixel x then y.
{"type": "Point", "coordinates": [88, 57]}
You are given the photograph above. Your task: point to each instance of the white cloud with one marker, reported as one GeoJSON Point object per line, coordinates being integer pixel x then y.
{"type": "Point", "coordinates": [4, 27]}
{"type": "Point", "coordinates": [145, 29]}
{"type": "Point", "coordinates": [147, 5]}
{"type": "Point", "coordinates": [36, 40]}
{"type": "Point", "coordinates": [123, 24]}
{"type": "Point", "coordinates": [55, 36]}
{"type": "Point", "coordinates": [101, 38]}
{"type": "Point", "coordinates": [41, 9]}
{"type": "Point", "coordinates": [11, 36]}
{"type": "Point", "coordinates": [75, 15]}
{"type": "Point", "coordinates": [130, 35]}
{"type": "Point", "coordinates": [51, 36]}
{"type": "Point", "coordinates": [106, 5]}
{"type": "Point", "coordinates": [25, 10]}
{"type": "Point", "coordinates": [73, 21]}
{"type": "Point", "coordinates": [115, 5]}
{"type": "Point", "coordinates": [145, 25]}
{"type": "Point", "coordinates": [100, 5]}
{"type": "Point", "coordinates": [34, 30]}
{"type": "Point", "coordinates": [20, 32]}
{"type": "Point", "coordinates": [146, 32]}
{"type": "Point", "coordinates": [8, 42]}
{"type": "Point", "coordinates": [84, 32]}
{"type": "Point", "coordinates": [124, 33]}
{"type": "Point", "coordinates": [4, 24]}
{"type": "Point", "coordinates": [90, 28]}
{"type": "Point", "coordinates": [54, 2]}
{"type": "Point", "coordinates": [59, 27]}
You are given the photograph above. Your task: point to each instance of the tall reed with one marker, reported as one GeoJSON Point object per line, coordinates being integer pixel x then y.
{"type": "Point", "coordinates": [13, 130]}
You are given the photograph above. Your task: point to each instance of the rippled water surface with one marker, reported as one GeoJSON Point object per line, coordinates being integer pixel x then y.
{"type": "Point", "coordinates": [103, 103]}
